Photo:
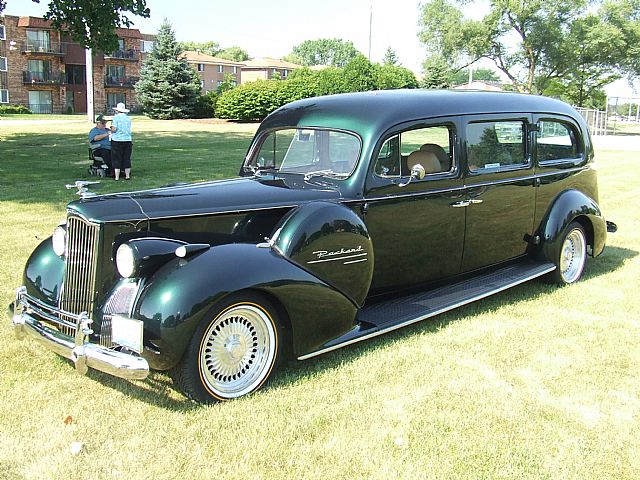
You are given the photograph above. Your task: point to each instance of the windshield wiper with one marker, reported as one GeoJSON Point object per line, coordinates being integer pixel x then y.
{"type": "Point", "coordinates": [322, 173]}
{"type": "Point", "coordinates": [256, 171]}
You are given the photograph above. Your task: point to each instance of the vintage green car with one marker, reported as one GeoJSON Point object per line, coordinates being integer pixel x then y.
{"type": "Point", "coordinates": [353, 215]}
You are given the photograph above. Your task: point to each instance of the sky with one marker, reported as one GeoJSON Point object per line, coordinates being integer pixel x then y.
{"type": "Point", "coordinates": [272, 28]}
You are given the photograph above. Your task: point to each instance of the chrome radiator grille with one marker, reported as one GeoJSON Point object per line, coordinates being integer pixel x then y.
{"type": "Point", "coordinates": [80, 276]}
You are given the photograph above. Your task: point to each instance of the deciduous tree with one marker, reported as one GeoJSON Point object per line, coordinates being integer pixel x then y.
{"type": "Point", "coordinates": [537, 42]}
{"type": "Point", "coordinates": [92, 23]}
{"type": "Point", "coordinates": [325, 51]}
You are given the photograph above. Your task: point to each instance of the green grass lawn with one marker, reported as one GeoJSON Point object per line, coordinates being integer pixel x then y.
{"type": "Point", "coordinates": [537, 382]}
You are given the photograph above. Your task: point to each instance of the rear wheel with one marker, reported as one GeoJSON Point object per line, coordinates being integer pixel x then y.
{"type": "Point", "coordinates": [572, 256]}
{"type": "Point", "coordinates": [234, 351]}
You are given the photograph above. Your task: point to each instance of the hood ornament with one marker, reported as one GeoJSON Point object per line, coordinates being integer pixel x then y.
{"type": "Point", "coordinates": [82, 185]}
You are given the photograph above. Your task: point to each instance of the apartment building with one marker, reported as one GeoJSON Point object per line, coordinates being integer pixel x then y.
{"type": "Point", "coordinates": [266, 69]}
{"type": "Point", "coordinates": [45, 70]}
{"type": "Point", "coordinates": [212, 70]}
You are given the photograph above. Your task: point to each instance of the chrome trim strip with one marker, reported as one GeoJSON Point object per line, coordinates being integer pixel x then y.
{"type": "Point", "coordinates": [226, 212]}
{"type": "Point", "coordinates": [429, 315]}
{"type": "Point", "coordinates": [340, 258]}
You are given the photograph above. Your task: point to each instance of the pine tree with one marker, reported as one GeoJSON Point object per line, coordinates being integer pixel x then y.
{"type": "Point", "coordinates": [390, 57]}
{"type": "Point", "coordinates": [168, 86]}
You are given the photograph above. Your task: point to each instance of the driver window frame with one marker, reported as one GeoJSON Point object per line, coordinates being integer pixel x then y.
{"type": "Point", "coordinates": [403, 173]}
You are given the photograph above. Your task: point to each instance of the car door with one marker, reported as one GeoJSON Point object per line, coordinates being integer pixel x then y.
{"type": "Point", "coordinates": [417, 236]}
{"type": "Point", "coordinates": [500, 189]}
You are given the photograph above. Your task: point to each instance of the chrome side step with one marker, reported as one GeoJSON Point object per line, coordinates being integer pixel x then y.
{"type": "Point", "coordinates": [397, 313]}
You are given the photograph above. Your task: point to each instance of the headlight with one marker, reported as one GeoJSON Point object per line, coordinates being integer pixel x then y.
{"type": "Point", "coordinates": [125, 260]}
{"type": "Point", "coordinates": [59, 240]}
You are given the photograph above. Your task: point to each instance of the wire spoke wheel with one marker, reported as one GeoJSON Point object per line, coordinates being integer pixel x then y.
{"type": "Point", "coordinates": [237, 351]}
{"type": "Point", "coordinates": [573, 255]}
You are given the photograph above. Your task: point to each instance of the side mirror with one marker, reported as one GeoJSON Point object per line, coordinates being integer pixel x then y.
{"type": "Point", "coordinates": [416, 172]}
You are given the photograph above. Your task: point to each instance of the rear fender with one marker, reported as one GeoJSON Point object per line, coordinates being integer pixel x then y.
{"type": "Point", "coordinates": [181, 293]}
{"type": "Point", "coordinates": [572, 205]}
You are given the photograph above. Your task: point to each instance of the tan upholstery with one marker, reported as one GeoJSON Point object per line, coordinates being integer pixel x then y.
{"type": "Point", "coordinates": [428, 160]}
{"type": "Point", "coordinates": [438, 151]}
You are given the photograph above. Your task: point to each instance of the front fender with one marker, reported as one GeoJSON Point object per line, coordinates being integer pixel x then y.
{"type": "Point", "coordinates": [181, 293]}
{"type": "Point", "coordinates": [44, 273]}
{"type": "Point", "coordinates": [572, 205]}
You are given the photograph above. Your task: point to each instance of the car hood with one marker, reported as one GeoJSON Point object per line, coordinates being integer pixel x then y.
{"type": "Point", "coordinates": [233, 195]}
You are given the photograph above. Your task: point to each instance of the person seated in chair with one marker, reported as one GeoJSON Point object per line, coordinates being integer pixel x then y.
{"type": "Point", "coordinates": [100, 142]}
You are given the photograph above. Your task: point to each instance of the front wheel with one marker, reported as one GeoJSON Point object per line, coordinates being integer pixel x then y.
{"type": "Point", "coordinates": [572, 256]}
{"type": "Point", "coordinates": [233, 352]}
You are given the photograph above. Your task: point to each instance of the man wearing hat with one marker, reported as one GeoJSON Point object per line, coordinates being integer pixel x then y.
{"type": "Point", "coordinates": [99, 141]}
{"type": "Point", "coordinates": [121, 142]}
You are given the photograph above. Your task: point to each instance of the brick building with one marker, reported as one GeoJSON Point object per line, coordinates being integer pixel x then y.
{"type": "Point", "coordinates": [45, 70]}
{"type": "Point", "coordinates": [266, 69]}
{"type": "Point", "coordinates": [212, 70]}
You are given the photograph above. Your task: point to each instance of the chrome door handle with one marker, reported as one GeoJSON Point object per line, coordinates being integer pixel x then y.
{"type": "Point", "coordinates": [461, 203]}
{"type": "Point", "coordinates": [476, 200]}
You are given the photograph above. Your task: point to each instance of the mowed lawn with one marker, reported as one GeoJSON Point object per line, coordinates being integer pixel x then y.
{"type": "Point", "coordinates": [537, 382]}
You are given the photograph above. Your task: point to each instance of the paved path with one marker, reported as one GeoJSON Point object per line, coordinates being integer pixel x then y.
{"type": "Point", "coordinates": [627, 143]}
{"type": "Point", "coordinates": [13, 123]}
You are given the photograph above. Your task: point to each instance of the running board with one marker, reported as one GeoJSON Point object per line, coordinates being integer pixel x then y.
{"type": "Point", "coordinates": [393, 314]}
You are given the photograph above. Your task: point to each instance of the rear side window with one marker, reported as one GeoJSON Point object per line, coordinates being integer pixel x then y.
{"type": "Point", "coordinates": [495, 145]}
{"type": "Point", "coordinates": [556, 141]}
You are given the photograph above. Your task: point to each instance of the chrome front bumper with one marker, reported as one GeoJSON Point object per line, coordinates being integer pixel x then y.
{"type": "Point", "coordinates": [84, 355]}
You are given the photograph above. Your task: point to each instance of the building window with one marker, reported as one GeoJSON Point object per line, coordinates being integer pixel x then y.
{"type": "Point", "coordinates": [114, 99]}
{"type": "Point", "coordinates": [4, 96]}
{"type": "Point", "coordinates": [201, 83]}
{"type": "Point", "coordinates": [3, 64]}
{"type": "Point", "coordinates": [285, 73]}
{"type": "Point", "coordinates": [115, 71]}
{"type": "Point", "coordinates": [121, 44]}
{"type": "Point", "coordinates": [3, 35]}
{"type": "Point", "coordinates": [234, 83]}
{"type": "Point", "coordinates": [220, 68]}
{"type": "Point", "coordinates": [38, 40]}
{"type": "Point", "coordinates": [76, 74]}
{"type": "Point", "coordinates": [146, 46]}
{"type": "Point", "coordinates": [40, 101]}
{"type": "Point", "coordinates": [219, 82]}
{"type": "Point", "coordinates": [38, 71]}
{"type": "Point", "coordinates": [235, 69]}
{"type": "Point", "coordinates": [201, 67]}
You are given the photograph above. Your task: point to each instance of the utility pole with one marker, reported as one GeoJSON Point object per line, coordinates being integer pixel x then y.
{"type": "Point", "coordinates": [370, 23]}
{"type": "Point", "coordinates": [89, 82]}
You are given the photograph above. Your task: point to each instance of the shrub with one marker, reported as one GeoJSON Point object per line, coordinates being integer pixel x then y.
{"type": "Point", "coordinates": [14, 109]}
{"type": "Point", "coordinates": [255, 100]}
{"type": "Point", "coordinates": [206, 105]}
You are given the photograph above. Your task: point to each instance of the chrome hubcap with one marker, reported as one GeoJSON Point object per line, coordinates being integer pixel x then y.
{"type": "Point", "coordinates": [573, 256]}
{"type": "Point", "coordinates": [238, 351]}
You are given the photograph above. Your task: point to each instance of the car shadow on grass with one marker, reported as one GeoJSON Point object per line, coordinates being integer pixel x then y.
{"type": "Point", "coordinates": [158, 389]}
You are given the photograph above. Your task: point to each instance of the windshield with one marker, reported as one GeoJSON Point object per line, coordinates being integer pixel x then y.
{"type": "Point", "coordinates": [308, 152]}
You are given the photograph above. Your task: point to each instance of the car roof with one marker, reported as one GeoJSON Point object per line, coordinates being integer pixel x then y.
{"type": "Point", "coordinates": [375, 111]}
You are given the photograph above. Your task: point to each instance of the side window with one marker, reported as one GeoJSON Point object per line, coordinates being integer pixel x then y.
{"type": "Point", "coordinates": [495, 145]}
{"type": "Point", "coordinates": [427, 146]}
{"type": "Point", "coordinates": [556, 141]}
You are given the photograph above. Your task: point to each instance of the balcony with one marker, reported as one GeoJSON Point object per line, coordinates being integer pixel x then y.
{"type": "Point", "coordinates": [42, 78]}
{"type": "Point", "coordinates": [130, 54]}
{"type": "Point", "coordinates": [123, 82]}
{"type": "Point", "coordinates": [34, 47]}
{"type": "Point", "coordinates": [42, 108]}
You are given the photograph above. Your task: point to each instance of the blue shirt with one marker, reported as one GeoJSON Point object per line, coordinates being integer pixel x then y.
{"type": "Point", "coordinates": [123, 128]}
{"type": "Point", "coordinates": [104, 143]}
